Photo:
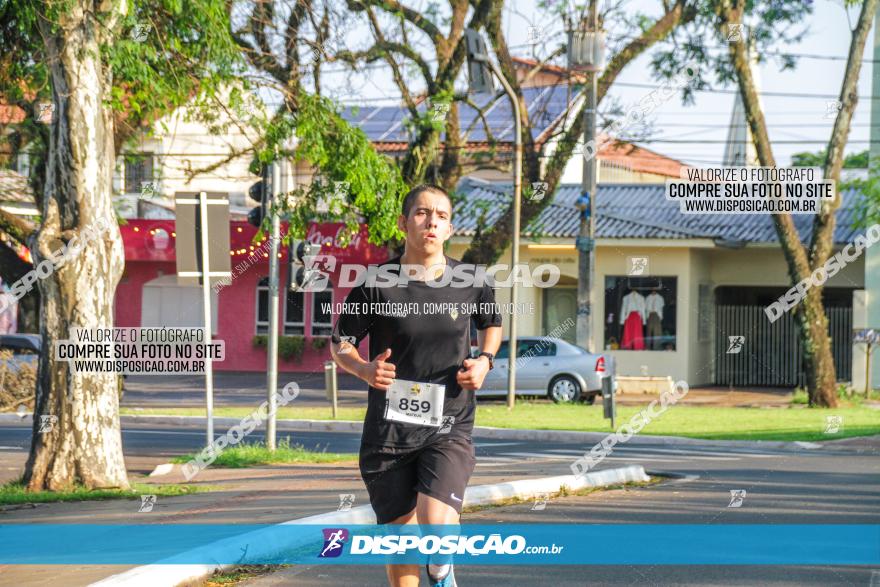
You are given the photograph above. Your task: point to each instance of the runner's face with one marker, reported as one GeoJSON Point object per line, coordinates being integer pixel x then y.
{"type": "Point", "coordinates": [428, 225]}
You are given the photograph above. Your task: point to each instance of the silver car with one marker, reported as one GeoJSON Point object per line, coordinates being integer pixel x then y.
{"type": "Point", "coordinates": [552, 367]}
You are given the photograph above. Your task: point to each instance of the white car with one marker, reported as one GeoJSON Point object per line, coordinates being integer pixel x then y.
{"type": "Point", "coordinates": [550, 366]}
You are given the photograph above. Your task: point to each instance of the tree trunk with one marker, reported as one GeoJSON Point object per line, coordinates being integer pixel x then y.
{"type": "Point", "coordinates": [487, 246]}
{"type": "Point", "coordinates": [818, 359]}
{"type": "Point", "coordinates": [84, 444]}
{"type": "Point", "coordinates": [813, 331]}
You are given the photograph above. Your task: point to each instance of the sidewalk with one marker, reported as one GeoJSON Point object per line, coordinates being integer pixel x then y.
{"type": "Point", "coordinates": [264, 495]}
{"type": "Point", "coordinates": [720, 397]}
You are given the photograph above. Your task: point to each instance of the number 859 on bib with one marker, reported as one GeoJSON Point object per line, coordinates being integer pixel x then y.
{"type": "Point", "coordinates": [414, 402]}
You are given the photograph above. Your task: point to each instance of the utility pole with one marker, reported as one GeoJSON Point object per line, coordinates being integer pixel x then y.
{"type": "Point", "coordinates": [586, 51]}
{"type": "Point", "coordinates": [480, 71]}
{"type": "Point", "coordinates": [206, 308]}
{"type": "Point", "coordinates": [872, 254]}
{"type": "Point", "coordinates": [274, 238]}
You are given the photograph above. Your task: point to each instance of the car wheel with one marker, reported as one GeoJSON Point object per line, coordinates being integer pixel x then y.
{"type": "Point", "coordinates": [564, 389]}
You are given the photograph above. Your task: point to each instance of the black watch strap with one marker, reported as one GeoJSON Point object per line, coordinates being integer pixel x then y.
{"type": "Point", "coordinates": [491, 358]}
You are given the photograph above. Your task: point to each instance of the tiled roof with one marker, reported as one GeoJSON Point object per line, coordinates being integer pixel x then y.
{"type": "Point", "coordinates": [11, 114]}
{"type": "Point", "coordinates": [634, 211]}
{"type": "Point", "coordinates": [639, 158]}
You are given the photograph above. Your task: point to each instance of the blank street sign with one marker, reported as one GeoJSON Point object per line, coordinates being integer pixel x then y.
{"type": "Point", "coordinates": [189, 238]}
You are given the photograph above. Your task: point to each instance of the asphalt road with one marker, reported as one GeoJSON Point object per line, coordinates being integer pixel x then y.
{"type": "Point", "coordinates": [839, 485]}
{"type": "Point", "coordinates": [822, 486]}
{"type": "Point", "coordinates": [235, 389]}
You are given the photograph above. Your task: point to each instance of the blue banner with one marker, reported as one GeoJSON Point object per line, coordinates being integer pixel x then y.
{"type": "Point", "coordinates": [499, 544]}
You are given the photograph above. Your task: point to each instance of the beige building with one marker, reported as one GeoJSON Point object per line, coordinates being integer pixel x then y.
{"type": "Point", "coordinates": [715, 275]}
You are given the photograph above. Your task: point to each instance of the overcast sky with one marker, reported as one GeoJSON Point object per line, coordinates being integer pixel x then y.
{"type": "Point", "coordinates": [800, 121]}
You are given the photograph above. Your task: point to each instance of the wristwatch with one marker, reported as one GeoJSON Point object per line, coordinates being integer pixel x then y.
{"type": "Point", "coordinates": [489, 356]}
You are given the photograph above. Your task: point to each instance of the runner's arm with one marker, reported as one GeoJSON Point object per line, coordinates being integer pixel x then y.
{"type": "Point", "coordinates": [378, 373]}
{"type": "Point", "coordinates": [489, 340]}
{"type": "Point", "coordinates": [473, 371]}
{"type": "Point", "coordinates": [350, 360]}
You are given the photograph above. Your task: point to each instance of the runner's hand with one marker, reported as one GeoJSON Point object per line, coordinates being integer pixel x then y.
{"type": "Point", "coordinates": [472, 373]}
{"type": "Point", "coordinates": [379, 373]}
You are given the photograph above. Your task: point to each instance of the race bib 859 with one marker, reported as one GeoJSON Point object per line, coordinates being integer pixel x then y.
{"type": "Point", "coordinates": [415, 402]}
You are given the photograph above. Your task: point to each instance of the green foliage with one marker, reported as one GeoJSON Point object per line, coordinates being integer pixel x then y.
{"type": "Point", "coordinates": [774, 26]}
{"type": "Point", "coordinates": [15, 492]}
{"type": "Point", "coordinates": [817, 159]}
{"type": "Point", "coordinates": [184, 57]}
{"type": "Point", "coordinates": [848, 395]}
{"type": "Point", "coordinates": [319, 343]}
{"type": "Point", "coordinates": [289, 347]}
{"type": "Point", "coordinates": [357, 183]}
{"type": "Point", "coordinates": [867, 203]}
{"type": "Point", "coordinates": [256, 454]}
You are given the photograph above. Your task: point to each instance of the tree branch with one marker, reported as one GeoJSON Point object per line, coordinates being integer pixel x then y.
{"type": "Point", "coordinates": [681, 13]}
{"type": "Point", "coordinates": [16, 227]}
{"type": "Point", "coordinates": [411, 15]}
{"type": "Point", "coordinates": [822, 240]}
{"type": "Point", "coordinates": [798, 265]}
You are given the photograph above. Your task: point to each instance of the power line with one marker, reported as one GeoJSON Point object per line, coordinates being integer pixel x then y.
{"type": "Point", "coordinates": [791, 125]}
{"type": "Point", "coordinates": [723, 91]}
{"type": "Point", "coordinates": [723, 142]}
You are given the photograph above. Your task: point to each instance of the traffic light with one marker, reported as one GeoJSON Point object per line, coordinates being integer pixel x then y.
{"type": "Point", "coordinates": [306, 267]}
{"type": "Point", "coordinates": [261, 192]}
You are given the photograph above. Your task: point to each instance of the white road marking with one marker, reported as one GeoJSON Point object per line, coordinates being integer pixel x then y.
{"type": "Point", "coordinates": [533, 455]}
{"type": "Point", "coordinates": [643, 459]}
{"type": "Point", "coordinates": [698, 458]}
{"type": "Point", "coordinates": [686, 451]}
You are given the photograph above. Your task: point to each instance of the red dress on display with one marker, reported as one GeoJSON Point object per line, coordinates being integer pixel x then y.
{"type": "Point", "coordinates": [633, 334]}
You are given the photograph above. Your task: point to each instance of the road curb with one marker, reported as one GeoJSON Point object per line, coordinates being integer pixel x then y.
{"type": "Point", "coordinates": [586, 438]}
{"type": "Point", "coordinates": [170, 575]}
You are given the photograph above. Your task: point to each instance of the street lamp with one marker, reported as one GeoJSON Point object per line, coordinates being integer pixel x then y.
{"type": "Point", "coordinates": [481, 81]}
{"type": "Point", "coordinates": [586, 52]}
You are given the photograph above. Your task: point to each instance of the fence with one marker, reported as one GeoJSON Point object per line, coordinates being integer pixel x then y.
{"type": "Point", "coordinates": [771, 353]}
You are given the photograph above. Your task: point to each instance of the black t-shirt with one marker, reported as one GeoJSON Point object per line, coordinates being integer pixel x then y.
{"type": "Point", "coordinates": [428, 343]}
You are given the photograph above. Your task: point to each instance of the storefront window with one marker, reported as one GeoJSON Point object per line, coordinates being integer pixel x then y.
{"type": "Point", "coordinates": [640, 313]}
{"type": "Point", "coordinates": [293, 313]}
{"type": "Point", "coordinates": [322, 302]}
{"type": "Point", "coordinates": [263, 306]}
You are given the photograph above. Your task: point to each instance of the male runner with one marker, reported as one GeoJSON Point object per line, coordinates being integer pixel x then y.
{"type": "Point", "coordinates": [416, 450]}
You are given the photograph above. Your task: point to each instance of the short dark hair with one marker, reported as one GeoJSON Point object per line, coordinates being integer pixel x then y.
{"type": "Point", "coordinates": [410, 197]}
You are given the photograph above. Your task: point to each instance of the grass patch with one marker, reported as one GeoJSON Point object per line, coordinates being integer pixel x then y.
{"type": "Point", "coordinates": [14, 492]}
{"type": "Point", "coordinates": [240, 574]}
{"type": "Point", "coordinates": [564, 491]}
{"type": "Point", "coordinates": [714, 423]}
{"type": "Point", "coordinates": [253, 454]}
{"type": "Point", "coordinates": [708, 422]}
{"type": "Point", "coordinates": [846, 395]}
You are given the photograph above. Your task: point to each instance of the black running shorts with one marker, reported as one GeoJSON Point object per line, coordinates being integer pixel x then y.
{"type": "Point", "coordinates": [395, 476]}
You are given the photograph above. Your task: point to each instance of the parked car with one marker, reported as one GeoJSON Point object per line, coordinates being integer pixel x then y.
{"type": "Point", "coordinates": [550, 367]}
{"type": "Point", "coordinates": [25, 348]}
